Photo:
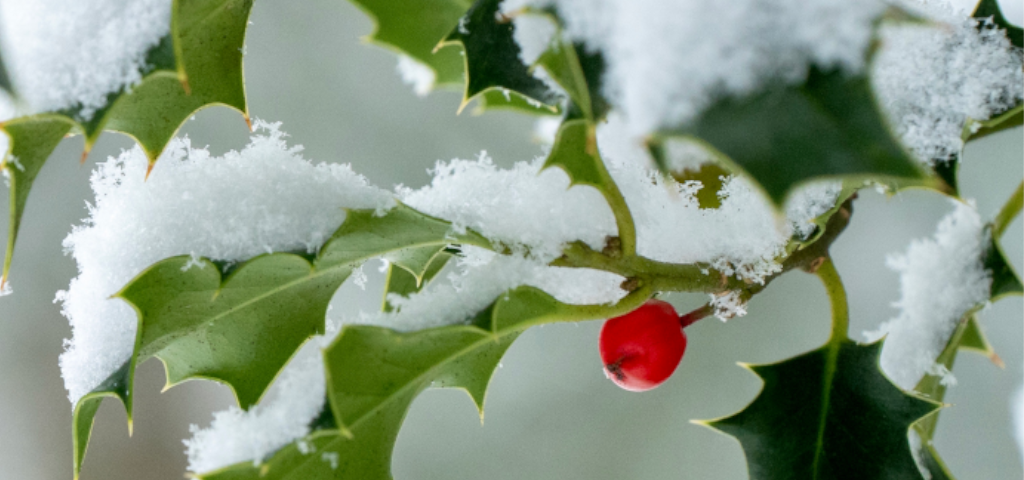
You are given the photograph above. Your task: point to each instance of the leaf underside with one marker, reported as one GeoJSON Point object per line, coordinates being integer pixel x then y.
{"type": "Point", "coordinates": [197, 65]}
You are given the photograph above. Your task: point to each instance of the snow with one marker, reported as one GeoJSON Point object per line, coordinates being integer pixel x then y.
{"type": "Point", "coordinates": [479, 277]}
{"type": "Point", "coordinates": [728, 305]}
{"type": "Point", "coordinates": [669, 59]}
{"type": "Point", "coordinates": [518, 207]}
{"type": "Point", "coordinates": [417, 75]}
{"type": "Point", "coordinates": [534, 34]}
{"type": "Point", "coordinates": [296, 398]}
{"type": "Point", "coordinates": [810, 202]}
{"type": "Point", "coordinates": [262, 199]}
{"type": "Point", "coordinates": [67, 53]}
{"type": "Point", "coordinates": [933, 77]}
{"type": "Point", "coordinates": [743, 237]}
{"type": "Point", "coordinates": [941, 279]}
{"type": "Point", "coordinates": [7, 111]}
{"type": "Point", "coordinates": [293, 401]}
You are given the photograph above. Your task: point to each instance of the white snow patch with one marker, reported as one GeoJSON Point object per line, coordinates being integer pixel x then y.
{"type": "Point", "coordinates": [933, 78]}
{"type": "Point", "coordinates": [265, 198]}
{"type": "Point", "coordinates": [294, 400]}
{"type": "Point", "coordinates": [519, 207]}
{"type": "Point", "coordinates": [73, 53]}
{"type": "Point", "coordinates": [417, 75]}
{"type": "Point", "coordinates": [533, 33]}
{"type": "Point", "coordinates": [941, 279]}
{"type": "Point", "coordinates": [669, 59]}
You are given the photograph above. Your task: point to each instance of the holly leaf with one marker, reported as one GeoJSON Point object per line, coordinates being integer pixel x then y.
{"type": "Point", "coordinates": [711, 177]}
{"type": "Point", "coordinates": [416, 29]}
{"type": "Point", "coordinates": [829, 413]}
{"type": "Point", "coordinates": [403, 282]}
{"type": "Point", "coordinates": [575, 151]}
{"type": "Point", "coordinates": [241, 328]}
{"type": "Point", "coordinates": [1005, 280]}
{"type": "Point", "coordinates": [1013, 116]}
{"type": "Point", "coordinates": [786, 135]}
{"type": "Point", "coordinates": [492, 56]}
{"type": "Point", "coordinates": [503, 99]}
{"type": "Point", "coordinates": [5, 80]}
{"type": "Point", "coordinates": [990, 9]}
{"type": "Point", "coordinates": [197, 65]}
{"type": "Point", "coordinates": [32, 139]}
{"type": "Point", "coordinates": [579, 72]}
{"type": "Point", "coordinates": [374, 374]}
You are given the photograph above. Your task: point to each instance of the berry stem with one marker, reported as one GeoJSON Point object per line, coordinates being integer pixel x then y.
{"type": "Point", "coordinates": [692, 317]}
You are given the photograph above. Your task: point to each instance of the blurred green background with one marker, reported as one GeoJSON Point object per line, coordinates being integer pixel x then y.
{"type": "Point", "coordinates": [551, 414]}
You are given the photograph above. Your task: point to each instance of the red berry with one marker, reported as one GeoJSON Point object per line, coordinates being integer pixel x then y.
{"type": "Point", "coordinates": [642, 348]}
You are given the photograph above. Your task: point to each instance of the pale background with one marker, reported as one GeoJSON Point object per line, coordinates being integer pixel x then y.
{"type": "Point", "coordinates": [551, 414]}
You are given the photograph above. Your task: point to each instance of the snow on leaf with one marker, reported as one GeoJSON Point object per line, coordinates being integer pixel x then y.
{"type": "Point", "coordinates": [375, 373]}
{"type": "Point", "coordinates": [787, 135]}
{"type": "Point", "coordinates": [241, 329]}
{"type": "Point", "coordinates": [197, 65]}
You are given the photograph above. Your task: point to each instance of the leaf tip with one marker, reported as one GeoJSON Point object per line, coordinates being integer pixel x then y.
{"type": "Point", "coordinates": [149, 169]}
{"type": "Point", "coordinates": [463, 105]}
{"type": "Point", "coordinates": [248, 121]}
{"type": "Point", "coordinates": [85, 155]}
{"type": "Point", "coordinates": [996, 359]}
{"type": "Point", "coordinates": [183, 78]}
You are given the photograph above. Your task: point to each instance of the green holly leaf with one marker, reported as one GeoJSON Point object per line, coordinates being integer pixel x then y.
{"type": "Point", "coordinates": [417, 29]}
{"type": "Point", "coordinates": [241, 328]}
{"type": "Point", "coordinates": [575, 151]}
{"type": "Point", "coordinates": [197, 65]}
{"type": "Point", "coordinates": [990, 9]}
{"type": "Point", "coordinates": [849, 189]}
{"type": "Point", "coordinates": [32, 139]}
{"type": "Point", "coordinates": [117, 385]}
{"type": "Point", "coordinates": [1005, 280]}
{"type": "Point", "coordinates": [579, 72]}
{"type": "Point", "coordinates": [374, 374]}
{"type": "Point", "coordinates": [5, 80]}
{"type": "Point", "coordinates": [1013, 117]}
{"type": "Point", "coordinates": [829, 413]}
{"type": "Point", "coordinates": [503, 99]}
{"type": "Point", "coordinates": [711, 176]}
{"type": "Point", "coordinates": [403, 282]}
{"type": "Point", "coordinates": [786, 135]}
{"type": "Point", "coordinates": [492, 56]}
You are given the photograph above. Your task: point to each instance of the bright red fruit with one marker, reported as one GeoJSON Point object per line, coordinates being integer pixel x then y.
{"type": "Point", "coordinates": [642, 348]}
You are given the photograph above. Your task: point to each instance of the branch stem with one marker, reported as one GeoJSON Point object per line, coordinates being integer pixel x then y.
{"type": "Point", "coordinates": [837, 296]}
{"type": "Point", "coordinates": [1010, 209]}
